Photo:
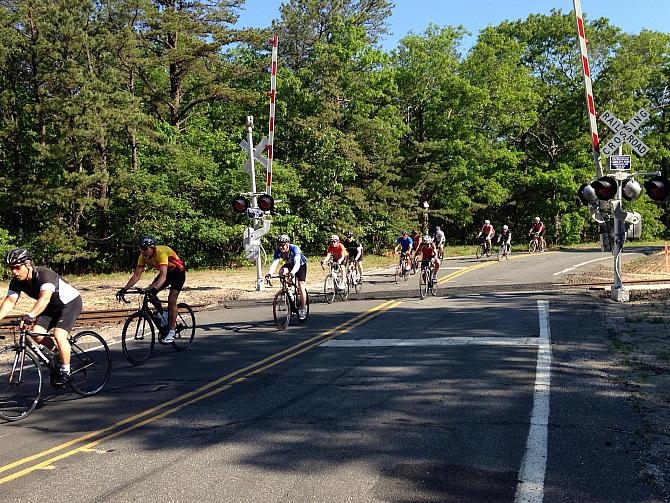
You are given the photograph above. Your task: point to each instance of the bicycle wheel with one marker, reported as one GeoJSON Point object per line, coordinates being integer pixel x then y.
{"type": "Point", "coordinates": [306, 309]}
{"type": "Point", "coordinates": [91, 363]}
{"type": "Point", "coordinates": [531, 246]}
{"type": "Point", "coordinates": [397, 273]}
{"type": "Point", "coordinates": [329, 288]}
{"type": "Point", "coordinates": [489, 251]}
{"type": "Point", "coordinates": [501, 252]}
{"type": "Point", "coordinates": [358, 286]}
{"type": "Point", "coordinates": [432, 285]}
{"type": "Point", "coordinates": [281, 310]}
{"type": "Point", "coordinates": [20, 391]}
{"type": "Point", "coordinates": [478, 252]}
{"type": "Point", "coordinates": [185, 327]}
{"type": "Point", "coordinates": [343, 289]}
{"type": "Point", "coordinates": [423, 284]}
{"type": "Point", "coordinates": [138, 338]}
{"type": "Point", "coordinates": [440, 253]}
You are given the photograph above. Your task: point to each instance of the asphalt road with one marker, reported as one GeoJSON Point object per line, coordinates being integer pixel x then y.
{"type": "Point", "coordinates": [483, 393]}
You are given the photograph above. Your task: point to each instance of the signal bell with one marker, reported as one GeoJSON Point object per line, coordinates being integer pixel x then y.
{"type": "Point", "coordinates": [631, 189]}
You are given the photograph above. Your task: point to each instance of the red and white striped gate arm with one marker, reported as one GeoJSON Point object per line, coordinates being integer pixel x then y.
{"type": "Point", "coordinates": [271, 123]}
{"type": "Point", "coordinates": [589, 90]}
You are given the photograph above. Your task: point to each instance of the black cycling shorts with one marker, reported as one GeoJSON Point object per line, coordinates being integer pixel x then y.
{"type": "Point", "coordinates": [301, 274]}
{"type": "Point", "coordinates": [64, 318]}
{"type": "Point", "coordinates": [174, 279]}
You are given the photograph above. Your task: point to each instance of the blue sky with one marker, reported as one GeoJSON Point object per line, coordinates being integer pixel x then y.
{"type": "Point", "coordinates": [415, 15]}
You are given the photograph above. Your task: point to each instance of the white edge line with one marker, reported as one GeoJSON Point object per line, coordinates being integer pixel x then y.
{"type": "Point", "coordinates": [530, 488]}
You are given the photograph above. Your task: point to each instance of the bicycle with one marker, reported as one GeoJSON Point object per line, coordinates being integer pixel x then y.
{"type": "Point", "coordinates": [286, 302]}
{"type": "Point", "coordinates": [21, 373]}
{"type": "Point", "coordinates": [354, 281]}
{"type": "Point", "coordinates": [536, 244]}
{"type": "Point", "coordinates": [402, 269]}
{"type": "Point", "coordinates": [484, 248]}
{"type": "Point", "coordinates": [504, 251]}
{"type": "Point", "coordinates": [138, 337]}
{"type": "Point", "coordinates": [335, 283]}
{"type": "Point", "coordinates": [426, 283]}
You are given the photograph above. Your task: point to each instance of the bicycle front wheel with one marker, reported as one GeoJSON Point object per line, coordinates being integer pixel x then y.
{"type": "Point", "coordinates": [281, 310]}
{"type": "Point", "coordinates": [185, 327]}
{"type": "Point", "coordinates": [138, 338]}
{"type": "Point", "coordinates": [329, 288]}
{"type": "Point", "coordinates": [478, 253]}
{"type": "Point", "coordinates": [20, 384]}
{"type": "Point", "coordinates": [343, 290]}
{"type": "Point", "coordinates": [531, 247]}
{"type": "Point", "coordinates": [423, 284]}
{"type": "Point", "coordinates": [358, 285]}
{"type": "Point", "coordinates": [91, 363]}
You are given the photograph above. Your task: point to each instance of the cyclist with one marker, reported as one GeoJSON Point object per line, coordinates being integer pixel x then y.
{"type": "Point", "coordinates": [405, 245]}
{"type": "Point", "coordinates": [506, 237]}
{"type": "Point", "coordinates": [295, 266]}
{"type": "Point", "coordinates": [416, 240]}
{"type": "Point", "coordinates": [57, 305]}
{"type": "Point", "coordinates": [439, 239]}
{"type": "Point", "coordinates": [355, 251]}
{"type": "Point", "coordinates": [428, 253]}
{"type": "Point", "coordinates": [171, 272]}
{"type": "Point", "coordinates": [538, 228]}
{"type": "Point", "coordinates": [487, 231]}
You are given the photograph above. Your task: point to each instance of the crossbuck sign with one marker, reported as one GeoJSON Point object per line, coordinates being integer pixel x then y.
{"type": "Point", "coordinates": [623, 133]}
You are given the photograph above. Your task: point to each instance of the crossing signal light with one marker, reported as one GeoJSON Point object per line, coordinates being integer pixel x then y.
{"type": "Point", "coordinates": [586, 194]}
{"type": "Point", "coordinates": [631, 189]}
{"type": "Point", "coordinates": [266, 202]}
{"type": "Point", "coordinates": [240, 204]}
{"type": "Point", "coordinates": [658, 188]}
{"type": "Point", "coordinates": [605, 188]}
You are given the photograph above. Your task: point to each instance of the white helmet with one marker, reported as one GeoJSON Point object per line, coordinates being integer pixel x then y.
{"type": "Point", "coordinates": [505, 227]}
{"type": "Point", "coordinates": [537, 219]}
{"type": "Point", "coordinates": [334, 237]}
{"type": "Point", "coordinates": [427, 239]}
{"type": "Point", "coordinates": [487, 222]}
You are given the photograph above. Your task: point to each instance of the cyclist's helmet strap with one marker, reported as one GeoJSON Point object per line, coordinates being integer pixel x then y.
{"type": "Point", "coordinates": [17, 256]}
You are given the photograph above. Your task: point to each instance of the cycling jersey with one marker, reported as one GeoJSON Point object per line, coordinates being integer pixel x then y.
{"type": "Point", "coordinates": [537, 227]}
{"type": "Point", "coordinates": [337, 251]}
{"type": "Point", "coordinates": [163, 255]}
{"type": "Point", "coordinates": [426, 251]}
{"type": "Point", "coordinates": [506, 236]}
{"type": "Point", "coordinates": [45, 279]}
{"type": "Point", "coordinates": [439, 237]}
{"type": "Point", "coordinates": [405, 243]}
{"type": "Point", "coordinates": [293, 257]}
{"type": "Point", "coordinates": [416, 242]}
{"type": "Point", "coordinates": [353, 247]}
{"type": "Point", "coordinates": [488, 230]}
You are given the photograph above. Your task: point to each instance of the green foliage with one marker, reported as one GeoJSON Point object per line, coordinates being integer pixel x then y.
{"type": "Point", "coordinates": [118, 118]}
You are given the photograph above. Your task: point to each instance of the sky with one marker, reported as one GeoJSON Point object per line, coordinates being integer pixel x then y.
{"type": "Point", "coordinates": [415, 15]}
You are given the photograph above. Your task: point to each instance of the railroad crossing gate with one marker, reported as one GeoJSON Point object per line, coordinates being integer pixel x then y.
{"type": "Point", "coordinates": [624, 133]}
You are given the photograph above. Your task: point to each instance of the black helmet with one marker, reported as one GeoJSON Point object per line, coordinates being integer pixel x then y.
{"type": "Point", "coordinates": [283, 238]}
{"type": "Point", "coordinates": [17, 256]}
{"type": "Point", "coordinates": [350, 233]}
{"type": "Point", "coordinates": [146, 241]}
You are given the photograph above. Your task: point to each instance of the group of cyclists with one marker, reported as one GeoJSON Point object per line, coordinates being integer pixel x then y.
{"type": "Point", "coordinates": [487, 232]}
{"type": "Point", "coordinates": [58, 304]}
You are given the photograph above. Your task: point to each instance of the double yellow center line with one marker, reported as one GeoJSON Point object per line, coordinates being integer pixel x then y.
{"type": "Point", "coordinates": [210, 389]}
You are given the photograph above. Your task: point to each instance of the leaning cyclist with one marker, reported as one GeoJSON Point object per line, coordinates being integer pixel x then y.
{"type": "Point", "coordinates": [538, 229]}
{"type": "Point", "coordinates": [506, 238]}
{"type": "Point", "coordinates": [171, 272]}
{"type": "Point", "coordinates": [295, 266]}
{"type": "Point", "coordinates": [58, 304]}
{"type": "Point", "coordinates": [427, 253]}
{"type": "Point", "coordinates": [355, 251]}
{"type": "Point", "coordinates": [487, 232]}
{"type": "Point", "coordinates": [405, 245]}
{"type": "Point", "coordinates": [439, 239]}
{"type": "Point", "coordinates": [336, 250]}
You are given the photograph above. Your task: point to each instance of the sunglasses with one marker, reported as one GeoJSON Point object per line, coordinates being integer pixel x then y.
{"type": "Point", "coordinates": [144, 248]}
{"type": "Point", "coordinates": [15, 267]}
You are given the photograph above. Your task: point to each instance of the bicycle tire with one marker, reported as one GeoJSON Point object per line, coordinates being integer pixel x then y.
{"type": "Point", "coordinates": [306, 309]}
{"type": "Point", "coordinates": [440, 254]}
{"type": "Point", "coordinates": [478, 252]}
{"type": "Point", "coordinates": [185, 327]}
{"type": "Point", "coordinates": [281, 310]}
{"type": "Point", "coordinates": [91, 363]}
{"type": "Point", "coordinates": [531, 246]}
{"type": "Point", "coordinates": [18, 399]}
{"type": "Point", "coordinates": [489, 251]}
{"type": "Point", "coordinates": [432, 285]}
{"type": "Point", "coordinates": [500, 254]}
{"type": "Point", "coordinates": [329, 288]}
{"type": "Point", "coordinates": [343, 292]}
{"type": "Point", "coordinates": [139, 344]}
{"type": "Point", "coordinates": [358, 286]}
{"type": "Point", "coordinates": [423, 284]}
